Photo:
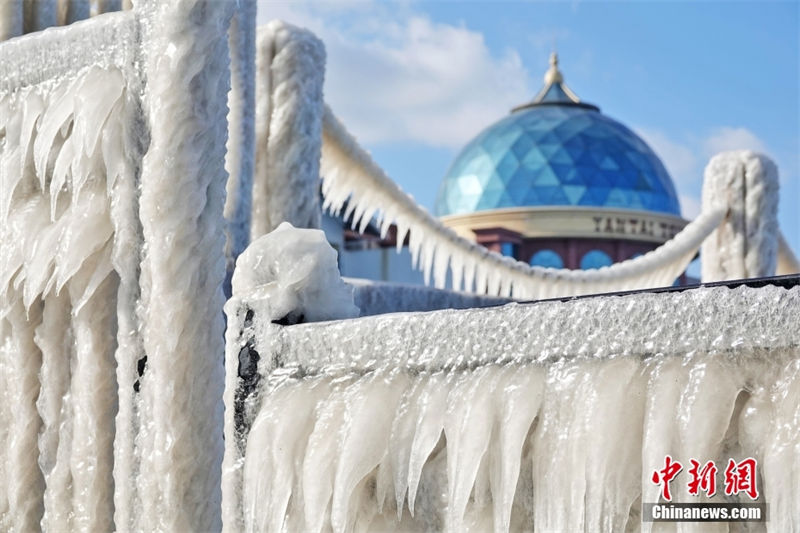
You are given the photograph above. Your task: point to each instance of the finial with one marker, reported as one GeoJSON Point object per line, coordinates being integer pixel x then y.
{"type": "Point", "coordinates": [553, 75]}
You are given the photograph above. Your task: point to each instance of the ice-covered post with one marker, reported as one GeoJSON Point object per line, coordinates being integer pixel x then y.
{"type": "Point", "coordinates": [745, 245]}
{"type": "Point", "coordinates": [285, 277]}
{"type": "Point", "coordinates": [240, 159]}
{"type": "Point", "coordinates": [290, 70]}
{"type": "Point", "coordinates": [187, 78]}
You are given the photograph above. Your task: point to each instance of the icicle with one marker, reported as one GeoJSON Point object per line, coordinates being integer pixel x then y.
{"type": "Point", "coordinates": [319, 465]}
{"type": "Point", "coordinates": [365, 439]}
{"type": "Point", "coordinates": [518, 402]}
{"type": "Point", "coordinates": [404, 428]}
{"type": "Point", "coordinates": [468, 427]}
{"type": "Point", "coordinates": [22, 357]}
{"type": "Point", "coordinates": [270, 478]}
{"type": "Point", "coordinates": [430, 425]}
{"type": "Point", "coordinates": [57, 113]}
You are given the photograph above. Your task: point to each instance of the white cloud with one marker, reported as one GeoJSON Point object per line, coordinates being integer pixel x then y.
{"type": "Point", "coordinates": [680, 160]}
{"type": "Point", "coordinates": [727, 138]}
{"type": "Point", "coordinates": [402, 77]}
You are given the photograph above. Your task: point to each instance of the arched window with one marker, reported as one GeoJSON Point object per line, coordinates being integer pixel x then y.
{"type": "Point", "coordinates": [595, 259]}
{"type": "Point", "coordinates": [547, 258]}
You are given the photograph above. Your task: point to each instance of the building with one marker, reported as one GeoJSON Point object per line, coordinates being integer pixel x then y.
{"type": "Point", "coordinates": [556, 183]}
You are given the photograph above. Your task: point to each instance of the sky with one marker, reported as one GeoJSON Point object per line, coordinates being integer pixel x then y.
{"type": "Point", "coordinates": [415, 81]}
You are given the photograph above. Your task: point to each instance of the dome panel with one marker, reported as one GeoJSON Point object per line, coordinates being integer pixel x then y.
{"type": "Point", "coordinates": [557, 154]}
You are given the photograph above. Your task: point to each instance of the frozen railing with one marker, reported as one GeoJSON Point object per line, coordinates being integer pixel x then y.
{"type": "Point", "coordinates": [111, 265]}
{"type": "Point", "coordinates": [547, 416]}
{"type": "Point", "coordinates": [20, 17]}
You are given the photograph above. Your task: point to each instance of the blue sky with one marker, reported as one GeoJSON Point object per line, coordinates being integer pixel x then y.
{"type": "Point", "coordinates": [414, 81]}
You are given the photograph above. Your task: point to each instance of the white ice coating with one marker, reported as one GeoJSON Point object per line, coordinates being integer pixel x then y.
{"type": "Point", "coordinates": [745, 245]}
{"type": "Point", "coordinates": [545, 417]}
{"type": "Point", "coordinates": [179, 440]}
{"type": "Point", "coordinates": [351, 176]}
{"type": "Point", "coordinates": [62, 162]}
{"type": "Point", "coordinates": [289, 275]}
{"type": "Point", "coordinates": [18, 17]}
{"type": "Point", "coordinates": [293, 270]}
{"type": "Point", "coordinates": [290, 70]}
{"type": "Point", "coordinates": [108, 257]}
{"type": "Point", "coordinates": [240, 156]}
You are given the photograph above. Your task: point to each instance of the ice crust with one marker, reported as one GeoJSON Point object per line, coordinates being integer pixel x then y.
{"type": "Point", "coordinates": [289, 275]}
{"type": "Point", "coordinates": [111, 265]}
{"type": "Point", "coordinates": [745, 245]}
{"type": "Point", "coordinates": [293, 270]}
{"type": "Point", "coordinates": [290, 70]}
{"type": "Point", "coordinates": [549, 416]}
{"type": "Point", "coordinates": [63, 52]}
{"type": "Point", "coordinates": [179, 443]}
{"type": "Point", "coordinates": [62, 162]}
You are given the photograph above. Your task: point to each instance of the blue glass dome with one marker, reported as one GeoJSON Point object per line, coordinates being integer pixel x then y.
{"type": "Point", "coordinates": [556, 151]}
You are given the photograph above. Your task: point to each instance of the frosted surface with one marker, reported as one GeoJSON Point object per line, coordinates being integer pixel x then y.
{"type": "Point", "coordinates": [290, 70]}
{"type": "Point", "coordinates": [61, 162]}
{"type": "Point", "coordinates": [111, 265]}
{"type": "Point", "coordinates": [63, 52]}
{"type": "Point", "coordinates": [745, 245]}
{"type": "Point", "coordinates": [287, 276]}
{"type": "Point", "coordinates": [462, 420]}
{"type": "Point", "coordinates": [293, 270]}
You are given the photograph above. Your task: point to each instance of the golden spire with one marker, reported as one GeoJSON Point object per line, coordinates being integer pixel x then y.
{"type": "Point", "coordinates": [553, 75]}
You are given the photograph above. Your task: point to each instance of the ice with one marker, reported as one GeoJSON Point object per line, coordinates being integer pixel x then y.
{"type": "Point", "coordinates": [545, 416]}
{"type": "Point", "coordinates": [293, 270]}
{"type": "Point", "coordinates": [112, 258]}
{"type": "Point", "coordinates": [179, 443]}
{"type": "Point", "coordinates": [746, 243]}
{"type": "Point", "coordinates": [111, 264]}
{"type": "Point", "coordinates": [351, 177]}
{"type": "Point", "coordinates": [58, 298]}
{"type": "Point", "coordinates": [289, 75]}
{"type": "Point", "coordinates": [287, 276]}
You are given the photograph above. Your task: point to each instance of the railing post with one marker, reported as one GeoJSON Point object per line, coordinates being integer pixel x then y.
{"type": "Point", "coordinates": [187, 78]}
{"type": "Point", "coordinates": [290, 69]}
{"type": "Point", "coordinates": [745, 245]}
